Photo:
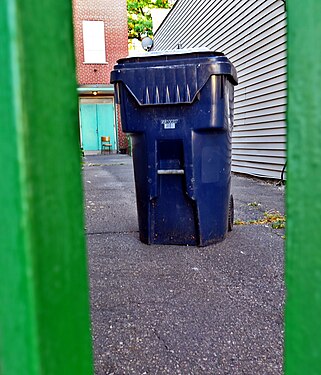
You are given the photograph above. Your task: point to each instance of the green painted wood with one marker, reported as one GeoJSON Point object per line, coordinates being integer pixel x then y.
{"type": "Point", "coordinates": [44, 312]}
{"type": "Point", "coordinates": [303, 245]}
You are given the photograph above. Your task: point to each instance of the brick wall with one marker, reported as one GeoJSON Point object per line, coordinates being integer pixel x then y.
{"type": "Point", "coordinates": [114, 15]}
{"type": "Point", "coordinates": [122, 139]}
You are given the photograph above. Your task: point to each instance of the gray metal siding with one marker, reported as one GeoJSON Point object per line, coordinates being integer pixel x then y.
{"type": "Point", "coordinates": [253, 35]}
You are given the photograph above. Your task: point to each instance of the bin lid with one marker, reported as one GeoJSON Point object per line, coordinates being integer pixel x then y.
{"type": "Point", "coordinates": [168, 53]}
{"type": "Point", "coordinates": [171, 77]}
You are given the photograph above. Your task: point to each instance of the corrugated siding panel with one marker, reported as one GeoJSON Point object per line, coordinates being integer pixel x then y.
{"type": "Point", "coordinates": [253, 35]}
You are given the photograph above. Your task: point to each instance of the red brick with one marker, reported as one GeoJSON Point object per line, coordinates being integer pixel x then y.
{"type": "Point", "coordinates": [114, 14]}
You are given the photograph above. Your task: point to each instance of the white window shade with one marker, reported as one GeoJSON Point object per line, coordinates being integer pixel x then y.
{"type": "Point", "coordinates": [94, 42]}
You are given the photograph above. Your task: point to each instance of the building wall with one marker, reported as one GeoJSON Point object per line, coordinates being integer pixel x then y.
{"type": "Point", "coordinates": [253, 35]}
{"type": "Point", "coordinates": [114, 15]}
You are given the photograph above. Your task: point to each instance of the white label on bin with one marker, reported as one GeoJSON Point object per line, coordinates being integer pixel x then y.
{"type": "Point", "coordinates": [170, 123]}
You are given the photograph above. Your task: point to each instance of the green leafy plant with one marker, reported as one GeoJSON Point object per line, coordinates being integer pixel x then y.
{"type": "Point", "coordinates": [140, 22]}
{"type": "Point", "coordinates": [129, 142]}
{"type": "Point", "coordinates": [254, 204]}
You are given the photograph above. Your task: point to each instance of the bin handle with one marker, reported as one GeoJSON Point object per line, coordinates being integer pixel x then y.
{"type": "Point", "coordinates": [170, 171]}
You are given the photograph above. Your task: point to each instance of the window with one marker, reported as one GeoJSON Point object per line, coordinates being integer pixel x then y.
{"type": "Point", "coordinates": [94, 42]}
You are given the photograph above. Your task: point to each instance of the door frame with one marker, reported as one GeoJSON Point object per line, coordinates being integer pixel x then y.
{"type": "Point", "coordinates": [87, 99]}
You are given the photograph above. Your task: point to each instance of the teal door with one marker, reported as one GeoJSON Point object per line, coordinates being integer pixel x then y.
{"type": "Point", "coordinates": [96, 120]}
{"type": "Point", "coordinates": [89, 128]}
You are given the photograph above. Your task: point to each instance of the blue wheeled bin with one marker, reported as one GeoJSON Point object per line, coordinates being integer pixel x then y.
{"type": "Point", "coordinates": [178, 107]}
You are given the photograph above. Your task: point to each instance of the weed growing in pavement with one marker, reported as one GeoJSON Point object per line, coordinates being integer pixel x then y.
{"type": "Point", "coordinates": [272, 217]}
{"type": "Point", "coordinates": [254, 204]}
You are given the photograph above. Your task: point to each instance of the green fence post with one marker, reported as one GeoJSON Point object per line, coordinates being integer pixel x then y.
{"type": "Point", "coordinates": [303, 244]}
{"type": "Point", "coordinates": [44, 313]}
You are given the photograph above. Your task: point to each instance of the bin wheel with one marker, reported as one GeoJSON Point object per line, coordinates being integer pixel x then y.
{"type": "Point", "coordinates": [230, 214]}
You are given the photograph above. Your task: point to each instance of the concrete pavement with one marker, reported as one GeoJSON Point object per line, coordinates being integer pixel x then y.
{"type": "Point", "coordinates": [182, 309]}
